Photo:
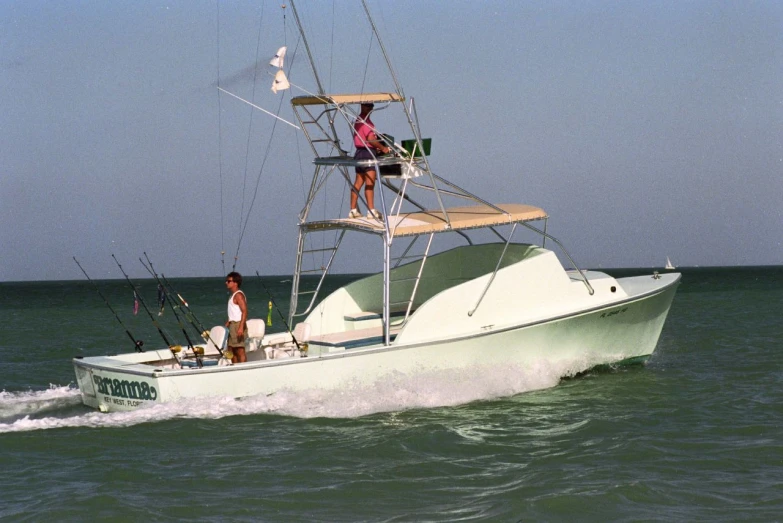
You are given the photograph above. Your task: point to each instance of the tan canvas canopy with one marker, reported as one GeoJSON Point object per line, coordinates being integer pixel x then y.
{"type": "Point", "coordinates": [425, 222]}
{"type": "Point", "coordinates": [342, 99]}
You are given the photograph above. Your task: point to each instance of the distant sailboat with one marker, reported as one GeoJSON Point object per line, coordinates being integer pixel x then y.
{"type": "Point", "coordinates": [669, 265]}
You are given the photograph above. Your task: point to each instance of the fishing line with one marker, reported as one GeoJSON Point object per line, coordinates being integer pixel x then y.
{"type": "Point", "coordinates": [173, 307]}
{"type": "Point", "coordinates": [154, 321]}
{"type": "Point", "coordinates": [136, 343]}
{"type": "Point", "coordinates": [190, 314]}
{"type": "Point", "coordinates": [220, 144]}
{"type": "Point", "coordinates": [170, 290]}
{"type": "Point", "coordinates": [272, 299]}
{"type": "Point", "coordinates": [366, 64]}
{"type": "Point", "coordinates": [260, 172]}
{"type": "Point", "coordinates": [250, 123]}
{"type": "Point", "coordinates": [331, 49]}
{"type": "Point", "coordinates": [299, 158]}
{"type": "Point", "coordinates": [255, 192]}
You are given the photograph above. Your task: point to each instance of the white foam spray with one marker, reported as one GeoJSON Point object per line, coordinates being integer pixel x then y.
{"type": "Point", "coordinates": [399, 392]}
{"type": "Point", "coordinates": [14, 404]}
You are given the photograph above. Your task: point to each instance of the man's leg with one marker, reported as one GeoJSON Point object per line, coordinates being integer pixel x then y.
{"type": "Point", "coordinates": [369, 189]}
{"type": "Point", "coordinates": [238, 355]}
{"type": "Point", "coordinates": [357, 185]}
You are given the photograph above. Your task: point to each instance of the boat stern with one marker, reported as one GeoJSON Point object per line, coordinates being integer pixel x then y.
{"type": "Point", "coordinates": [109, 390]}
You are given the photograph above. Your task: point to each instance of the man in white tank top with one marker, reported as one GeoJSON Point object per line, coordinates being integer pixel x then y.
{"type": "Point", "coordinates": [237, 318]}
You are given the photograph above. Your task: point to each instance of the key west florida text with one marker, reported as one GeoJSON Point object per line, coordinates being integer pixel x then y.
{"type": "Point", "coordinates": [457, 283]}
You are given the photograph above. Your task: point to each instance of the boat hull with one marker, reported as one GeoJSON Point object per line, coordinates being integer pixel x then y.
{"type": "Point", "coordinates": [627, 330]}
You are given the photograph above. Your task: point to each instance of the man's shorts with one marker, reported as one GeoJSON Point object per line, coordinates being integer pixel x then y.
{"type": "Point", "coordinates": [363, 154]}
{"type": "Point", "coordinates": [233, 339]}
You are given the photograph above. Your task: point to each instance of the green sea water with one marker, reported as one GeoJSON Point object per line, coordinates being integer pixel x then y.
{"type": "Point", "coordinates": [695, 434]}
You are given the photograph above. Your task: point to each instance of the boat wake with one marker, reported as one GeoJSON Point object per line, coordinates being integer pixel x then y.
{"type": "Point", "coordinates": [60, 407]}
{"type": "Point", "coordinates": [25, 403]}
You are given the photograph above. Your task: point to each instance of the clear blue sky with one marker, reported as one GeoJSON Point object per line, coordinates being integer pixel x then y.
{"type": "Point", "coordinates": [645, 129]}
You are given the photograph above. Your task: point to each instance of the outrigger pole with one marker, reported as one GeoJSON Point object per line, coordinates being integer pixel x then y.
{"type": "Point", "coordinates": [307, 48]}
{"type": "Point", "coordinates": [413, 125]}
{"type": "Point", "coordinates": [173, 306]}
{"type": "Point", "coordinates": [154, 321]}
{"type": "Point", "coordinates": [272, 299]}
{"type": "Point", "coordinates": [137, 343]}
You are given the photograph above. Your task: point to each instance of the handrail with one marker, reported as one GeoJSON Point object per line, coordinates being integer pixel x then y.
{"type": "Point", "coordinates": [418, 279]}
{"type": "Point", "coordinates": [416, 204]}
{"type": "Point", "coordinates": [320, 282]}
{"type": "Point", "coordinates": [497, 267]}
{"type": "Point", "coordinates": [573, 263]}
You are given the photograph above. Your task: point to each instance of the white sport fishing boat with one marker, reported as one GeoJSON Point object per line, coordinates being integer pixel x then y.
{"type": "Point", "coordinates": [456, 291]}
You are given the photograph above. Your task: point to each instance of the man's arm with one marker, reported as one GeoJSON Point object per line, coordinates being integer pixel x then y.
{"type": "Point", "coordinates": [241, 300]}
{"type": "Point", "coordinates": [374, 141]}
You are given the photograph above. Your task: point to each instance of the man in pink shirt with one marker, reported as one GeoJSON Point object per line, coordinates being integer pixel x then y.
{"type": "Point", "coordinates": [368, 146]}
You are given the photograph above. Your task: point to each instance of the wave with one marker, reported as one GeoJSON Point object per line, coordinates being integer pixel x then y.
{"type": "Point", "coordinates": [14, 404]}
{"type": "Point", "coordinates": [399, 392]}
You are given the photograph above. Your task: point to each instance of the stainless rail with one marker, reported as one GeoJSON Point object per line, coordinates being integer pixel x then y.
{"type": "Point", "coordinates": [494, 273]}
{"type": "Point", "coordinates": [573, 263]}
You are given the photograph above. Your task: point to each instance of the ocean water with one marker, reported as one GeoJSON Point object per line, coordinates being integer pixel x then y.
{"type": "Point", "coordinates": [695, 434]}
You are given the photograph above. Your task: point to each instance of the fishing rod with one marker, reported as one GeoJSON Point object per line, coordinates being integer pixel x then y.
{"type": "Point", "coordinates": [192, 316]}
{"type": "Point", "coordinates": [173, 306]}
{"type": "Point", "coordinates": [272, 299]}
{"type": "Point", "coordinates": [154, 321]}
{"type": "Point", "coordinates": [136, 343]}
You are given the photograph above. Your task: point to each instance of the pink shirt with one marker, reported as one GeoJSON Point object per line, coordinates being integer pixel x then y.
{"type": "Point", "coordinates": [361, 132]}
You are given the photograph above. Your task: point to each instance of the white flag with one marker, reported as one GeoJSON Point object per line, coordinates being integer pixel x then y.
{"type": "Point", "coordinates": [411, 170]}
{"type": "Point", "coordinates": [280, 82]}
{"type": "Point", "coordinates": [277, 61]}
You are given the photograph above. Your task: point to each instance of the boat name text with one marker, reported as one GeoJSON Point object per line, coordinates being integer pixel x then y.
{"type": "Point", "coordinates": [612, 313]}
{"type": "Point", "coordinates": [125, 389]}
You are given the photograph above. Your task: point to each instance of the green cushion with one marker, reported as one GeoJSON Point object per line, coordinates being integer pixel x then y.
{"type": "Point", "coordinates": [411, 145]}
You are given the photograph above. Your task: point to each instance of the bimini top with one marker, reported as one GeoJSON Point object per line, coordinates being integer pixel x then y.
{"type": "Point", "coordinates": [425, 222]}
{"type": "Point", "coordinates": [342, 99]}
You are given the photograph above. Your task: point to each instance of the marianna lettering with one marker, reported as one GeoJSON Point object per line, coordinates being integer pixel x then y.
{"type": "Point", "coordinates": [125, 389]}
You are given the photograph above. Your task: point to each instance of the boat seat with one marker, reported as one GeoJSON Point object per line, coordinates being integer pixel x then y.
{"type": "Point", "coordinates": [280, 345]}
{"type": "Point", "coordinates": [301, 331]}
{"type": "Point", "coordinates": [219, 335]}
{"type": "Point", "coordinates": [255, 334]}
